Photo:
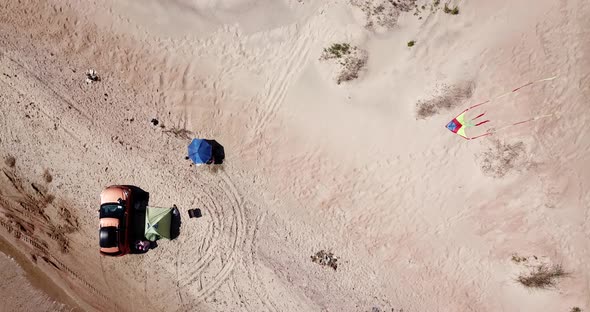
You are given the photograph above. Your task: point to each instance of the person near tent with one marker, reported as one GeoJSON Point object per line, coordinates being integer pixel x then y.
{"type": "Point", "coordinates": [142, 245]}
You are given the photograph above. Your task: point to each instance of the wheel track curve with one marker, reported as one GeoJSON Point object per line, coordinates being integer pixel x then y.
{"type": "Point", "coordinates": [217, 194]}
{"type": "Point", "coordinates": [226, 186]}
{"type": "Point", "coordinates": [277, 87]}
{"type": "Point", "coordinates": [241, 240]}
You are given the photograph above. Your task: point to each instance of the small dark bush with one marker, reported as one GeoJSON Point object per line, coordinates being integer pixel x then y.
{"type": "Point", "coordinates": [336, 50]}
{"type": "Point", "coordinates": [543, 276]}
{"type": "Point", "coordinates": [325, 258]}
{"type": "Point", "coordinates": [453, 11]}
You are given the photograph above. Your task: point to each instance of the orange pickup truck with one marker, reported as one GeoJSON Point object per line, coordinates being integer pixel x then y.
{"type": "Point", "coordinates": [115, 214]}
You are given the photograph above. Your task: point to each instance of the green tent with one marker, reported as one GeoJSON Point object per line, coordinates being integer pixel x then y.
{"type": "Point", "coordinates": [157, 223]}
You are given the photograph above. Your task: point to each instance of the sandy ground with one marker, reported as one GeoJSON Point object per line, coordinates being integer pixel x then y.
{"type": "Point", "coordinates": [18, 294]}
{"type": "Point", "coordinates": [420, 219]}
{"type": "Point", "coordinates": [22, 285]}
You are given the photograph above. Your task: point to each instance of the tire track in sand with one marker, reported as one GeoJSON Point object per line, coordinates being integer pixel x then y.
{"type": "Point", "coordinates": [225, 242]}
{"type": "Point", "coordinates": [39, 246]}
{"type": "Point", "coordinates": [256, 283]}
{"type": "Point", "coordinates": [210, 243]}
{"type": "Point", "coordinates": [50, 90]}
{"type": "Point", "coordinates": [278, 85]}
{"type": "Point", "coordinates": [236, 242]}
{"type": "Point", "coordinates": [230, 244]}
{"type": "Point", "coordinates": [248, 266]}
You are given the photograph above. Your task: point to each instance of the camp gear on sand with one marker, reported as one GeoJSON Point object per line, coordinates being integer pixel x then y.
{"type": "Point", "coordinates": [142, 245]}
{"type": "Point", "coordinates": [157, 223]}
{"type": "Point", "coordinates": [194, 213]}
{"type": "Point", "coordinates": [200, 151]}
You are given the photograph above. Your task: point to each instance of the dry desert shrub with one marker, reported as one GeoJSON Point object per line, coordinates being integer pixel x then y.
{"type": "Point", "coordinates": [449, 97]}
{"type": "Point", "coordinates": [179, 133]}
{"type": "Point", "coordinates": [336, 51]}
{"type": "Point", "coordinates": [325, 258]}
{"type": "Point", "coordinates": [383, 13]}
{"type": "Point", "coordinates": [453, 11]}
{"type": "Point", "coordinates": [352, 66]}
{"type": "Point", "coordinates": [350, 59]}
{"type": "Point", "coordinates": [543, 276]}
{"type": "Point", "coordinates": [518, 259]}
{"type": "Point", "coordinates": [502, 158]}
{"type": "Point", "coordinates": [576, 309]}
{"type": "Point", "coordinates": [378, 309]}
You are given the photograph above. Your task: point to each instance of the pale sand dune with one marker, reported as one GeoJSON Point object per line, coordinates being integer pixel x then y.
{"type": "Point", "coordinates": [414, 213]}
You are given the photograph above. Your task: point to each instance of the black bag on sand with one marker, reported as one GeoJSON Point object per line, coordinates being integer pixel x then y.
{"type": "Point", "coordinates": [195, 213]}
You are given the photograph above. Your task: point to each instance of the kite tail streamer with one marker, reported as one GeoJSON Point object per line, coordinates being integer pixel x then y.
{"type": "Point", "coordinates": [511, 125]}
{"type": "Point", "coordinates": [510, 92]}
{"type": "Point", "coordinates": [458, 124]}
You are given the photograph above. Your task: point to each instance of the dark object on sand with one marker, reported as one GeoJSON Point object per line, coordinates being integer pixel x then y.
{"type": "Point", "coordinates": [203, 151]}
{"type": "Point", "coordinates": [154, 121]}
{"type": "Point", "coordinates": [194, 213]}
{"type": "Point", "coordinates": [92, 76]}
{"type": "Point", "coordinates": [325, 258]}
{"type": "Point", "coordinates": [142, 246]}
{"type": "Point", "coordinates": [217, 152]}
{"type": "Point", "coordinates": [200, 151]}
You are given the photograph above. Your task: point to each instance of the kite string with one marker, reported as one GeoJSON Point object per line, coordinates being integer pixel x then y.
{"type": "Point", "coordinates": [510, 92]}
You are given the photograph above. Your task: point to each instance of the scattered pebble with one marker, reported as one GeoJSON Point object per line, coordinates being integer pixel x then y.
{"type": "Point", "coordinates": [155, 122]}
{"type": "Point", "coordinates": [10, 161]}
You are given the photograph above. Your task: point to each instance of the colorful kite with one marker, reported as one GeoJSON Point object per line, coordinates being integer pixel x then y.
{"type": "Point", "coordinates": [461, 123]}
